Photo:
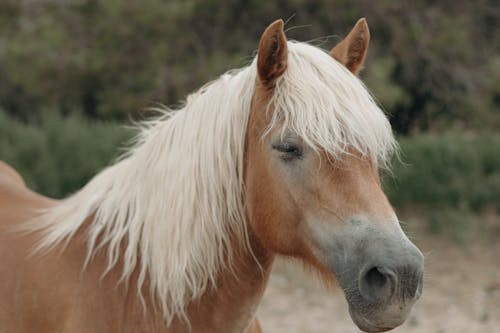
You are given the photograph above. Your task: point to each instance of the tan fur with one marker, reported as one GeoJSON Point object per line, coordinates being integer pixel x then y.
{"type": "Point", "coordinates": [351, 51]}
{"type": "Point", "coordinates": [8, 174]}
{"type": "Point", "coordinates": [52, 293]}
{"type": "Point", "coordinates": [272, 59]}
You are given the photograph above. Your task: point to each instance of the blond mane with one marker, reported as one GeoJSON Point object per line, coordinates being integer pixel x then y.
{"type": "Point", "coordinates": [175, 201]}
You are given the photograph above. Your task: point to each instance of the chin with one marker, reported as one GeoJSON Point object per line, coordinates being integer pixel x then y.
{"type": "Point", "coordinates": [380, 318]}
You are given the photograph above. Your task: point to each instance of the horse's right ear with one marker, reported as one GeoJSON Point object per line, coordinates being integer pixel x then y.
{"type": "Point", "coordinates": [273, 54]}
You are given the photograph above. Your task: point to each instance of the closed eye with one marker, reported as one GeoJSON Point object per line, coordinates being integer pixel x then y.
{"type": "Point", "coordinates": [289, 150]}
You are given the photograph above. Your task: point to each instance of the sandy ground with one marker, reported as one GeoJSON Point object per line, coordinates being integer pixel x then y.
{"type": "Point", "coordinates": [461, 292]}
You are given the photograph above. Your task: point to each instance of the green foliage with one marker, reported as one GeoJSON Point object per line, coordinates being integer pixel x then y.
{"type": "Point", "coordinates": [59, 155]}
{"type": "Point", "coordinates": [386, 91]}
{"type": "Point", "coordinates": [449, 170]}
{"type": "Point", "coordinates": [430, 62]}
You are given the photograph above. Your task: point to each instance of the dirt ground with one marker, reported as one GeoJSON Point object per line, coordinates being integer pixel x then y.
{"type": "Point", "coordinates": [461, 292]}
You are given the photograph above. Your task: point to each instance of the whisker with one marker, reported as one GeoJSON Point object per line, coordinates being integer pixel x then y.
{"type": "Point", "coordinates": [298, 27]}
{"type": "Point", "coordinates": [289, 19]}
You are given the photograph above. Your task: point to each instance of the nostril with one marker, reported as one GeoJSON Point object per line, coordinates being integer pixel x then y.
{"type": "Point", "coordinates": [377, 284]}
{"type": "Point", "coordinates": [375, 279]}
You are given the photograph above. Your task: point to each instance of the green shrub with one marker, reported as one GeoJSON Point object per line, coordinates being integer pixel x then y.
{"type": "Point", "coordinates": [58, 155]}
{"type": "Point", "coordinates": [448, 170]}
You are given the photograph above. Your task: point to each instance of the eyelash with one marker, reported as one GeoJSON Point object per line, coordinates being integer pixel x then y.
{"type": "Point", "coordinates": [290, 151]}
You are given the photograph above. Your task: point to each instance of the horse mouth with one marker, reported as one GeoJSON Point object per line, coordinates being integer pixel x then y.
{"type": "Point", "coordinates": [366, 325]}
{"type": "Point", "coordinates": [374, 329]}
{"type": "Point", "coordinates": [379, 317]}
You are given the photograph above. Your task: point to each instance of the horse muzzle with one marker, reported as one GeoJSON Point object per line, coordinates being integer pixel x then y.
{"type": "Point", "coordinates": [382, 281]}
{"type": "Point", "coordinates": [379, 270]}
{"type": "Point", "coordinates": [385, 295]}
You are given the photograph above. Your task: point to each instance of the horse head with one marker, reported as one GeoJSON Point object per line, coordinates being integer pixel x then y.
{"type": "Point", "coordinates": [315, 143]}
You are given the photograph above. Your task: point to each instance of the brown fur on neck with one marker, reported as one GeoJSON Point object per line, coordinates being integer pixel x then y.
{"type": "Point", "coordinates": [53, 293]}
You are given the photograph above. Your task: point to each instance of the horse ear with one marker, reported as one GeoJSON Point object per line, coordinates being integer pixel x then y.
{"type": "Point", "coordinates": [273, 53]}
{"type": "Point", "coordinates": [351, 51]}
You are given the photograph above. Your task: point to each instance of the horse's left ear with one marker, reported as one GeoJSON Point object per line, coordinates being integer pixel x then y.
{"type": "Point", "coordinates": [272, 56]}
{"type": "Point", "coordinates": [351, 51]}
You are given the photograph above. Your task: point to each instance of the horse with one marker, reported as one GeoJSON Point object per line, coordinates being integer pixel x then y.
{"type": "Point", "coordinates": [279, 158]}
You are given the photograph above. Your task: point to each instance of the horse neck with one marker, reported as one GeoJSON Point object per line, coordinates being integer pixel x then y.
{"type": "Point", "coordinates": [228, 307]}
{"type": "Point", "coordinates": [232, 305]}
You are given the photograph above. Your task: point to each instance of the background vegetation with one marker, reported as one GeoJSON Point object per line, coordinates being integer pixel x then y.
{"type": "Point", "coordinates": [71, 71]}
{"type": "Point", "coordinates": [430, 62]}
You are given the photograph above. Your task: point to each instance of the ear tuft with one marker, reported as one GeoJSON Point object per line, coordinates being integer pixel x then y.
{"type": "Point", "coordinates": [351, 51]}
{"type": "Point", "coordinates": [273, 53]}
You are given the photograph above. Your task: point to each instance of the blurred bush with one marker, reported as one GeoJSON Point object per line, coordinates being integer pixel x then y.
{"type": "Point", "coordinates": [57, 155]}
{"type": "Point", "coordinates": [450, 170]}
{"type": "Point", "coordinates": [431, 63]}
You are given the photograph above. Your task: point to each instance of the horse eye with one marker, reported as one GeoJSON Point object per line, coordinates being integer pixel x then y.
{"type": "Point", "coordinates": [289, 150]}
